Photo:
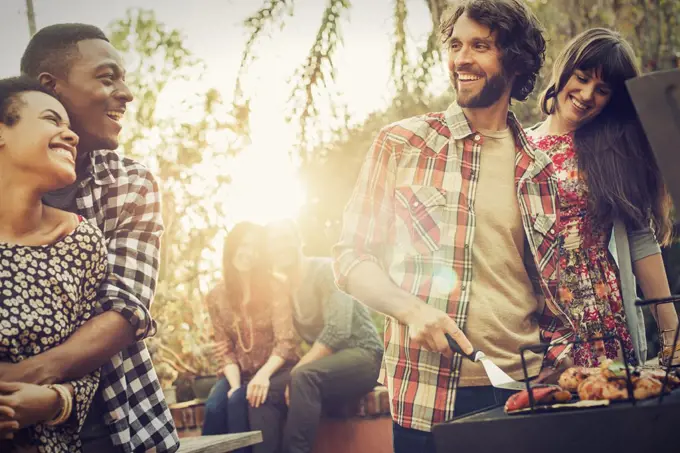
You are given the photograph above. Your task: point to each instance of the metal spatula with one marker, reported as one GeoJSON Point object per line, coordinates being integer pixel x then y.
{"type": "Point", "coordinates": [498, 377]}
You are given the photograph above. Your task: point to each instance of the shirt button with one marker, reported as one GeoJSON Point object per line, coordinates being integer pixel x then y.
{"type": "Point", "coordinates": [415, 203]}
{"type": "Point", "coordinates": [552, 231]}
{"type": "Point", "coordinates": [467, 246]}
{"type": "Point", "coordinates": [477, 137]}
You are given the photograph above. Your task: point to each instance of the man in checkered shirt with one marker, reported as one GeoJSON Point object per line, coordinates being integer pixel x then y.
{"type": "Point", "coordinates": [451, 229]}
{"type": "Point", "coordinates": [129, 413]}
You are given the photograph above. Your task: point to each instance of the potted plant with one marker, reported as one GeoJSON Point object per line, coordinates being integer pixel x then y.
{"type": "Point", "coordinates": [184, 342]}
{"type": "Point", "coordinates": [167, 376]}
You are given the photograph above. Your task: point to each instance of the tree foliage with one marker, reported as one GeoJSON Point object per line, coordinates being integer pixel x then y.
{"type": "Point", "coordinates": [182, 135]}
{"type": "Point", "coordinates": [331, 168]}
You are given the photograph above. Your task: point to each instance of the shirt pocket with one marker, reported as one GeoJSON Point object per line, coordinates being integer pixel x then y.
{"type": "Point", "coordinates": [420, 211]}
{"type": "Point", "coordinates": [544, 232]}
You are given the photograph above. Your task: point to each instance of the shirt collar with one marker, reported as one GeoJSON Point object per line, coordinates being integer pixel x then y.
{"type": "Point", "coordinates": [97, 168]}
{"type": "Point", "coordinates": [460, 128]}
{"type": "Point", "coordinates": [457, 122]}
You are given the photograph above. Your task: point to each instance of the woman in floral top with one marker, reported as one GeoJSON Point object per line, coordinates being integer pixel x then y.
{"type": "Point", "coordinates": [51, 264]}
{"type": "Point", "coordinates": [253, 323]}
{"type": "Point", "coordinates": [608, 180]}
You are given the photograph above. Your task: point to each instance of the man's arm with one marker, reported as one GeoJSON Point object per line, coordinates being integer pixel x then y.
{"type": "Point", "coordinates": [427, 325]}
{"type": "Point", "coordinates": [125, 296]}
{"type": "Point", "coordinates": [316, 352]}
{"type": "Point", "coordinates": [367, 222]}
{"type": "Point", "coordinates": [104, 336]}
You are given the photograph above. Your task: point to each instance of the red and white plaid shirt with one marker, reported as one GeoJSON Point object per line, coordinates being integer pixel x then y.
{"type": "Point", "coordinates": [412, 213]}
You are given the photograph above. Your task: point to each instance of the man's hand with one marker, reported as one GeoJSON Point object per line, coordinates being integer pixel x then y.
{"type": "Point", "coordinates": [427, 328]}
{"type": "Point", "coordinates": [258, 388]}
{"type": "Point", "coordinates": [27, 404]}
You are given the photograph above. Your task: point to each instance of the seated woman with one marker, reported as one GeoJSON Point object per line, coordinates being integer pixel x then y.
{"type": "Point", "coordinates": [51, 264]}
{"type": "Point", "coordinates": [253, 326]}
{"type": "Point", "coordinates": [610, 193]}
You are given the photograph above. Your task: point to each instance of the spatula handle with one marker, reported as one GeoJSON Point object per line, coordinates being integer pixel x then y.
{"type": "Point", "coordinates": [455, 347]}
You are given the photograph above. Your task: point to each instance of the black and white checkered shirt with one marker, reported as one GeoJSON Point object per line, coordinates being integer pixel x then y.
{"type": "Point", "coordinates": [122, 197]}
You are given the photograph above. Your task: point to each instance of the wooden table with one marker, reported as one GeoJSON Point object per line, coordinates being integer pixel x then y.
{"type": "Point", "coordinates": [219, 444]}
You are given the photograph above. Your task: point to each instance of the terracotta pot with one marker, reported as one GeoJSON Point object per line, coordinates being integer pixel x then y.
{"type": "Point", "coordinates": [170, 395]}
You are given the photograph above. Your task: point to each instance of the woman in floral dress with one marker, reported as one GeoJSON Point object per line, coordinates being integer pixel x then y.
{"type": "Point", "coordinates": [51, 264]}
{"type": "Point", "coordinates": [609, 186]}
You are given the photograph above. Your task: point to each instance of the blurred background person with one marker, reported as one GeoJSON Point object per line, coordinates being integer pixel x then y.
{"type": "Point", "coordinates": [253, 325]}
{"type": "Point", "coordinates": [344, 359]}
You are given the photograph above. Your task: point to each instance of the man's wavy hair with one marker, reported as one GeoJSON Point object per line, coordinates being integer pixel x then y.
{"type": "Point", "coordinates": [519, 36]}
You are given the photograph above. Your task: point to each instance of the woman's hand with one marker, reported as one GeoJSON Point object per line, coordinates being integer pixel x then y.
{"type": "Point", "coordinates": [231, 391]}
{"type": "Point", "coordinates": [8, 426]}
{"type": "Point", "coordinates": [29, 403]}
{"type": "Point", "coordinates": [258, 388]}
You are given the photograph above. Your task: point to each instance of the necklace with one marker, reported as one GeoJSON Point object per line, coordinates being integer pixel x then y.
{"type": "Point", "coordinates": [249, 323]}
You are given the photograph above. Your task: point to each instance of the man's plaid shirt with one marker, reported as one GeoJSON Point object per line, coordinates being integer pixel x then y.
{"type": "Point", "coordinates": [122, 197]}
{"type": "Point", "coordinates": [412, 213]}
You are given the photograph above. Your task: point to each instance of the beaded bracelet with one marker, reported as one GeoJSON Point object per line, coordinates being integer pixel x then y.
{"type": "Point", "coordinates": [66, 405]}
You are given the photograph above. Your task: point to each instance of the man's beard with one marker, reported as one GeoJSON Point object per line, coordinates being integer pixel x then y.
{"type": "Point", "coordinates": [491, 92]}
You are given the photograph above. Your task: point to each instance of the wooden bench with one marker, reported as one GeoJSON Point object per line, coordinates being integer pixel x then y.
{"type": "Point", "coordinates": [359, 426]}
{"type": "Point", "coordinates": [219, 444]}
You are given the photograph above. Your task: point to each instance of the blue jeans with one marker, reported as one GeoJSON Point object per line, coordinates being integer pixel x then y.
{"type": "Point", "coordinates": [234, 415]}
{"type": "Point", "coordinates": [468, 399]}
{"type": "Point", "coordinates": [226, 415]}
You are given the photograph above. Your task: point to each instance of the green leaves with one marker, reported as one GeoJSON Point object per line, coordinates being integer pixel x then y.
{"type": "Point", "coordinates": [180, 128]}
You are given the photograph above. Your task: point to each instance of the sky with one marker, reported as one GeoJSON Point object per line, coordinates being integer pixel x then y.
{"type": "Point", "coordinates": [213, 31]}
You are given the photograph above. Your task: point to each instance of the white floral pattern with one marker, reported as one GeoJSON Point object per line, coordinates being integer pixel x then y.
{"type": "Point", "coordinates": [46, 293]}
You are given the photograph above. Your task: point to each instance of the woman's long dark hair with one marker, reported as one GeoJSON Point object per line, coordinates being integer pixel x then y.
{"type": "Point", "coordinates": [260, 275]}
{"type": "Point", "coordinates": [624, 181]}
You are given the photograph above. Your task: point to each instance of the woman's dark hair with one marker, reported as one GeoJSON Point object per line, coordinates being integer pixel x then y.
{"type": "Point", "coordinates": [10, 99]}
{"type": "Point", "coordinates": [260, 275]}
{"type": "Point", "coordinates": [519, 36]}
{"type": "Point", "coordinates": [624, 181]}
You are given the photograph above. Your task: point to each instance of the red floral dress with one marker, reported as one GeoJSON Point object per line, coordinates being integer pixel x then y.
{"type": "Point", "coordinates": [589, 289]}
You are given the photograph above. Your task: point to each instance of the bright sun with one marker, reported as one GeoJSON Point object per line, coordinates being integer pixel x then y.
{"type": "Point", "coordinates": [264, 183]}
{"type": "Point", "coordinates": [265, 186]}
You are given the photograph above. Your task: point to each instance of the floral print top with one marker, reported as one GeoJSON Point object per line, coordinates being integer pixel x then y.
{"type": "Point", "coordinates": [589, 291]}
{"type": "Point", "coordinates": [262, 328]}
{"type": "Point", "coordinates": [46, 293]}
